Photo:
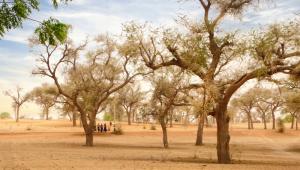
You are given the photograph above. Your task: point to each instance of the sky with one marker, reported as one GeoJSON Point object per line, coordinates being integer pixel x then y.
{"type": "Point", "coordinates": [93, 17]}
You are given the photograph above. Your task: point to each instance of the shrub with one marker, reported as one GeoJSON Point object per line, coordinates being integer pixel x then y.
{"type": "Point", "coordinates": [280, 125]}
{"type": "Point", "coordinates": [153, 127]}
{"type": "Point", "coordinates": [5, 115]}
{"type": "Point", "coordinates": [288, 118]}
{"type": "Point", "coordinates": [118, 130]}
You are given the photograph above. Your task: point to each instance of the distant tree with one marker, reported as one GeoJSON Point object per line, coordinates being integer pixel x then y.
{"type": "Point", "coordinates": [46, 97]}
{"type": "Point", "coordinates": [246, 103]}
{"type": "Point", "coordinates": [169, 92]}
{"type": "Point", "coordinates": [130, 98]}
{"type": "Point", "coordinates": [5, 115]}
{"type": "Point", "coordinates": [292, 106]}
{"type": "Point", "coordinates": [18, 100]}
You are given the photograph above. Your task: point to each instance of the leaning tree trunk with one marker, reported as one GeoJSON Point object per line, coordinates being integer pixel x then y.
{"type": "Point", "coordinates": [273, 120]}
{"type": "Point", "coordinates": [164, 130]}
{"type": "Point", "coordinates": [223, 136]}
{"type": "Point", "coordinates": [17, 113]}
{"type": "Point", "coordinates": [199, 139]}
{"type": "Point", "coordinates": [88, 128]}
{"type": "Point", "coordinates": [74, 118]}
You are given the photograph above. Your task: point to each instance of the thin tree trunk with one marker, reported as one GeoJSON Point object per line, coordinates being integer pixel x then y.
{"type": "Point", "coordinates": [164, 129]}
{"type": "Point", "coordinates": [17, 113]}
{"type": "Point", "coordinates": [273, 120]}
{"type": "Point", "coordinates": [293, 120]}
{"type": "Point", "coordinates": [251, 123]}
{"type": "Point", "coordinates": [74, 118]}
{"type": "Point", "coordinates": [223, 136]}
{"type": "Point", "coordinates": [297, 123]}
{"type": "Point", "coordinates": [264, 121]}
{"type": "Point", "coordinates": [199, 139]}
{"type": "Point", "coordinates": [171, 120]}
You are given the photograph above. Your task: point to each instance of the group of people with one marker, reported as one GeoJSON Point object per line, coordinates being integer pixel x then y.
{"type": "Point", "coordinates": [103, 127]}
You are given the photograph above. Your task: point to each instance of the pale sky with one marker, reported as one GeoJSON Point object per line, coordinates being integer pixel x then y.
{"type": "Point", "coordinates": [93, 17]}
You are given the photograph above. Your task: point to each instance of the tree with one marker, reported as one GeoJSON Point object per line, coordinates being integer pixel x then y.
{"type": "Point", "coordinates": [292, 106]}
{"type": "Point", "coordinates": [130, 97]}
{"type": "Point", "coordinates": [246, 103]}
{"type": "Point", "coordinates": [5, 115]}
{"type": "Point", "coordinates": [18, 100]}
{"type": "Point", "coordinates": [169, 92]}
{"type": "Point", "coordinates": [45, 96]}
{"type": "Point", "coordinates": [207, 51]}
{"type": "Point", "coordinates": [89, 84]}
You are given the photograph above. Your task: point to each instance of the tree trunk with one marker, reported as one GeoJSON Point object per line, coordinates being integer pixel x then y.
{"type": "Point", "coordinates": [264, 121]}
{"type": "Point", "coordinates": [74, 118]}
{"type": "Point", "coordinates": [164, 129]}
{"type": "Point", "coordinates": [89, 138]}
{"type": "Point", "coordinates": [297, 123]}
{"type": "Point", "coordinates": [293, 120]}
{"type": "Point", "coordinates": [250, 123]}
{"type": "Point", "coordinates": [199, 139]}
{"type": "Point", "coordinates": [47, 113]}
{"type": "Point", "coordinates": [273, 120]}
{"type": "Point", "coordinates": [171, 120]}
{"type": "Point", "coordinates": [17, 113]}
{"type": "Point", "coordinates": [223, 136]}
{"type": "Point", "coordinates": [129, 118]}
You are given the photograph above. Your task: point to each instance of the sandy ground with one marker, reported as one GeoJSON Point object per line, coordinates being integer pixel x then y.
{"type": "Point", "coordinates": [56, 145]}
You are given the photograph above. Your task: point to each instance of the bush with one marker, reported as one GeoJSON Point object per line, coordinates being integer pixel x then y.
{"type": "Point", "coordinates": [118, 130]}
{"type": "Point", "coordinates": [5, 115]}
{"type": "Point", "coordinates": [280, 125]}
{"type": "Point", "coordinates": [107, 117]}
{"type": "Point", "coordinates": [153, 127]}
{"type": "Point", "coordinates": [288, 118]}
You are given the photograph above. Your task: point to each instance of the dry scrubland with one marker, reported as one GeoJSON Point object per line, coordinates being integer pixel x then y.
{"type": "Point", "coordinates": [57, 145]}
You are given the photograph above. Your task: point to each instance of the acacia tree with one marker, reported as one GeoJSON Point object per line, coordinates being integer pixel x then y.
{"type": "Point", "coordinates": [292, 106]}
{"type": "Point", "coordinates": [169, 92]}
{"type": "Point", "coordinates": [246, 103]}
{"type": "Point", "coordinates": [45, 96]}
{"type": "Point", "coordinates": [88, 84]}
{"type": "Point", "coordinates": [208, 52]}
{"type": "Point", "coordinates": [130, 98]}
{"type": "Point", "coordinates": [18, 100]}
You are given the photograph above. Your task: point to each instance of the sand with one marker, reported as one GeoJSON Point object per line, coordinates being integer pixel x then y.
{"type": "Point", "coordinates": [57, 145]}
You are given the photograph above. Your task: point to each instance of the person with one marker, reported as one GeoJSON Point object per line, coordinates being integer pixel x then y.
{"type": "Point", "coordinates": [105, 128]}
{"type": "Point", "coordinates": [101, 128]}
{"type": "Point", "coordinates": [98, 127]}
